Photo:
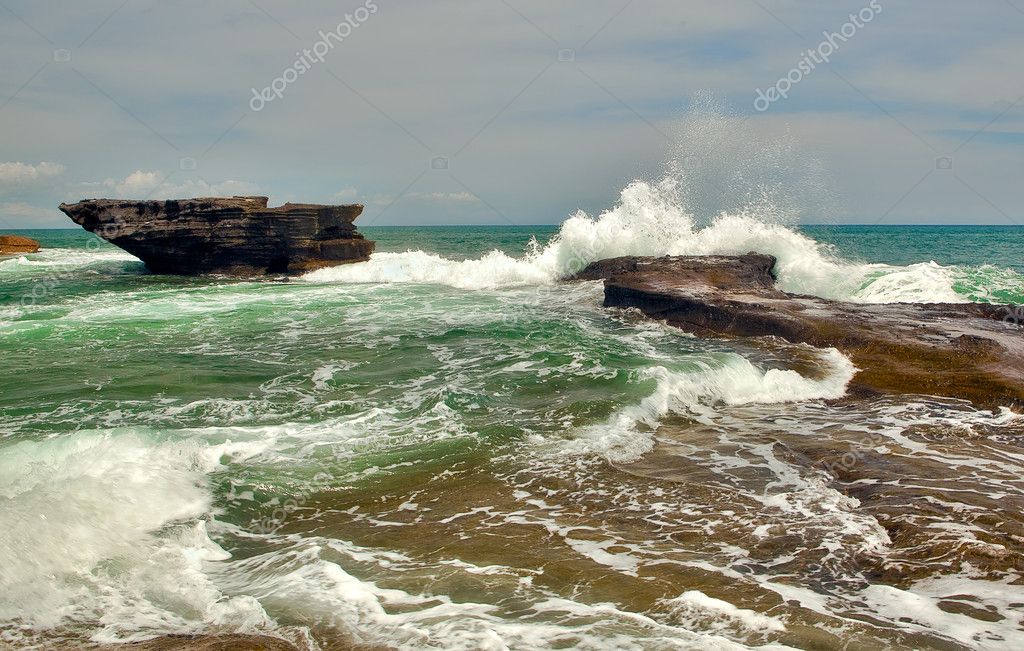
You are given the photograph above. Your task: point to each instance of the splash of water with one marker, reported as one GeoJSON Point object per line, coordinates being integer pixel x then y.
{"type": "Point", "coordinates": [651, 220]}
{"type": "Point", "coordinates": [726, 190]}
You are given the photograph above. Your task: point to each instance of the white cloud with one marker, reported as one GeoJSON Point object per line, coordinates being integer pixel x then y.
{"type": "Point", "coordinates": [345, 194]}
{"type": "Point", "coordinates": [17, 173]}
{"type": "Point", "coordinates": [529, 134]}
{"type": "Point", "coordinates": [151, 185]}
{"type": "Point", "coordinates": [422, 197]}
{"type": "Point", "coordinates": [446, 197]}
{"type": "Point", "coordinates": [352, 194]}
{"type": "Point", "coordinates": [136, 185]}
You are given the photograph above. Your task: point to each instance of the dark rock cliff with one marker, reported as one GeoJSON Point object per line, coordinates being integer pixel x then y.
{"type": "Point", "coordinates": [238, 235]}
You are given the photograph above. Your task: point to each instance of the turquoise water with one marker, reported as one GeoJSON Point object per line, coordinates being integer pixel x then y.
{"type": "Point", "coordinates": [974, 246]}
{"type": "Point", "coordinates": [448, 448]}
{"type": "Point", "coordinates": [1000, 246]}
{"type": "Point", "coordinates": [978, 263]}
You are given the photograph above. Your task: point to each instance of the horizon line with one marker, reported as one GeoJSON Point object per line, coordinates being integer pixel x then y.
{"type": "Point", "coordinates": [553, 225]}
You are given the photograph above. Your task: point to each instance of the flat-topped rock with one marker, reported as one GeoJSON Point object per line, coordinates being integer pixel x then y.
{"type": "Point", "coordinates": [234, 235]}
{"type": "Point", "coordinates": [16, 245]}
{"type": "Point", "coordinates": [957, 350]}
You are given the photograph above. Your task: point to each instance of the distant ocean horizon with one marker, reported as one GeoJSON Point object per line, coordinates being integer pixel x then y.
{"type": "Point", "coordinates": [895, 244]}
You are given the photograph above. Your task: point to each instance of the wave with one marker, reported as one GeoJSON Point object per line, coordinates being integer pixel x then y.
{"type": "Point", "coordinates": [108, 534]}
{"type": "Point", "coordinates": [626, 435]}
{"type": "Point", "coordinates": [108, 530]}
{"type": "Point", "coordinates": [64, 257]}
{"type": "Point", "coordinates": [651, 220]}
{"type": "Point", "coordinates": [727, 189]}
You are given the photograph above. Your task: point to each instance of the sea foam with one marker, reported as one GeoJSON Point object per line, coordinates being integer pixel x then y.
{"type": "Point", "coordinates": [651, 220]}
{"type": "Point", "coordinates": [726, 190]}
{"type": "Point", "coordinates": [109, 519]}
{"type": "Point", "coordinates": [734, 380]}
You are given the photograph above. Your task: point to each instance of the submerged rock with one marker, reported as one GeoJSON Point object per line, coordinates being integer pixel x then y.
{"type": "Point", "coordinates": [16, 245]}
{"type": "Point", "coordinates": [970, 351]}
{"type": "Point", "coordinates": [238, 235]}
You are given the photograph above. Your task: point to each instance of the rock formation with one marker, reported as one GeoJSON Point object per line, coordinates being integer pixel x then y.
{"type": "Point", "coordinates": [238, 235]}
{"type": "Point", "coordinates": [231, 642]}
{"type": "Point", "coordinates": [16, 245]}
{"type": "Point", "coordinates": [970, 351]}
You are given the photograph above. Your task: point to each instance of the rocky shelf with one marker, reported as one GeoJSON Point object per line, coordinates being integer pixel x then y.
{"type": "Point", "coordinates": [968, 351]}
{"type": "Point", "coordinates": [236, 236]}
{"type": "Point", "coordinates": [16, 245]}
{"type": "Point", "coordinates": [227, 642]}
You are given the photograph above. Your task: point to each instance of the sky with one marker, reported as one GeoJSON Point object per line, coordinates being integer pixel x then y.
{"type": "Point", "coordinates": [515, 111]}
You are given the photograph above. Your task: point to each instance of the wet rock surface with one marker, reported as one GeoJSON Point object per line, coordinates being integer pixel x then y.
{"type": "Point", "coordinates": [235, 642]}
{"type": "Point", "coordinates": [965, 351]}
{"type": "Point", "coordinates": [16, 245]}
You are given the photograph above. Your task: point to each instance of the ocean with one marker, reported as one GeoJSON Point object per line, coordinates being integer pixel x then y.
{"type": "Point", "coordinates": [449, 448]}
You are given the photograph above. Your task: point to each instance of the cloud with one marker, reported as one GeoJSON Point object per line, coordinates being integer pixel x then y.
{"type": "Point", "coordinates": [433, 197]}
{"type": "Point", "coordinates": [533, 136]}
{"type": "Point", "coordinates": [136, 185]}
{"type": "Point", "coordinates": [353, 194]}
{"type": "Point", "coordinates": [152, 185]}
{"type": "Point", "coordinates": [14, 174]}
{"type": "Point", "coordinates": [345, 194]}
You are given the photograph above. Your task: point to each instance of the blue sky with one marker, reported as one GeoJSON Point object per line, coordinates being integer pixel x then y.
{"type": "Point", "coordinates": [539, 108]}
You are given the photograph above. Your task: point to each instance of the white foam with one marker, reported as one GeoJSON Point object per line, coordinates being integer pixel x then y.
{"type": "Point", "coordinates": [13, 262]}
{"type": "Point", "coordinates": [927, 282]}
{"type": "Point", "coordinates": [917, 608]}
{"type": "Point", "coordinates": [650, 219]}
{"type": "Point", "coordinates": [49, 258]}
{"type": "Point", "coordinates": [729, 380]}
{"type": "Point", "coordinates": [694, 608]}
{"type": "Point", "coordinates": [303, 584]}
{"type": "Point", "coordinates": [105, 530]}
{"type": "Point", "coordinates": [490, 271]}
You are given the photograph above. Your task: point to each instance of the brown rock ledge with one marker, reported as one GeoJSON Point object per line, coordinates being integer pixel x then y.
{"type": "Point", "coordinates": [237, 236]}
{"type": "Point", "coordinates": [962, 351]}
{"type": "Point", "coordinates": [16, 245]}
{"type": "Point", "coordinates": [235, 642]}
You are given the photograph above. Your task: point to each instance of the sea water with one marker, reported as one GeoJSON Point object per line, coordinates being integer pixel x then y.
{"type": "Point", "coordinates": [447, 447]}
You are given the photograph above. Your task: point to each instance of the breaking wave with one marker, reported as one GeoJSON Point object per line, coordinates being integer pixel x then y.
{"type": "Point", "coordinates": [732, 381]}
{"type": "Point", "coordinates": [743, 193]}
{"type": "Point", "coordinates": [649, 220]}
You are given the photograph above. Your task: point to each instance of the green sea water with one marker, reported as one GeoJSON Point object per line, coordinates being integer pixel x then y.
{"type": "Point", "coordinates": [448, 448]}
